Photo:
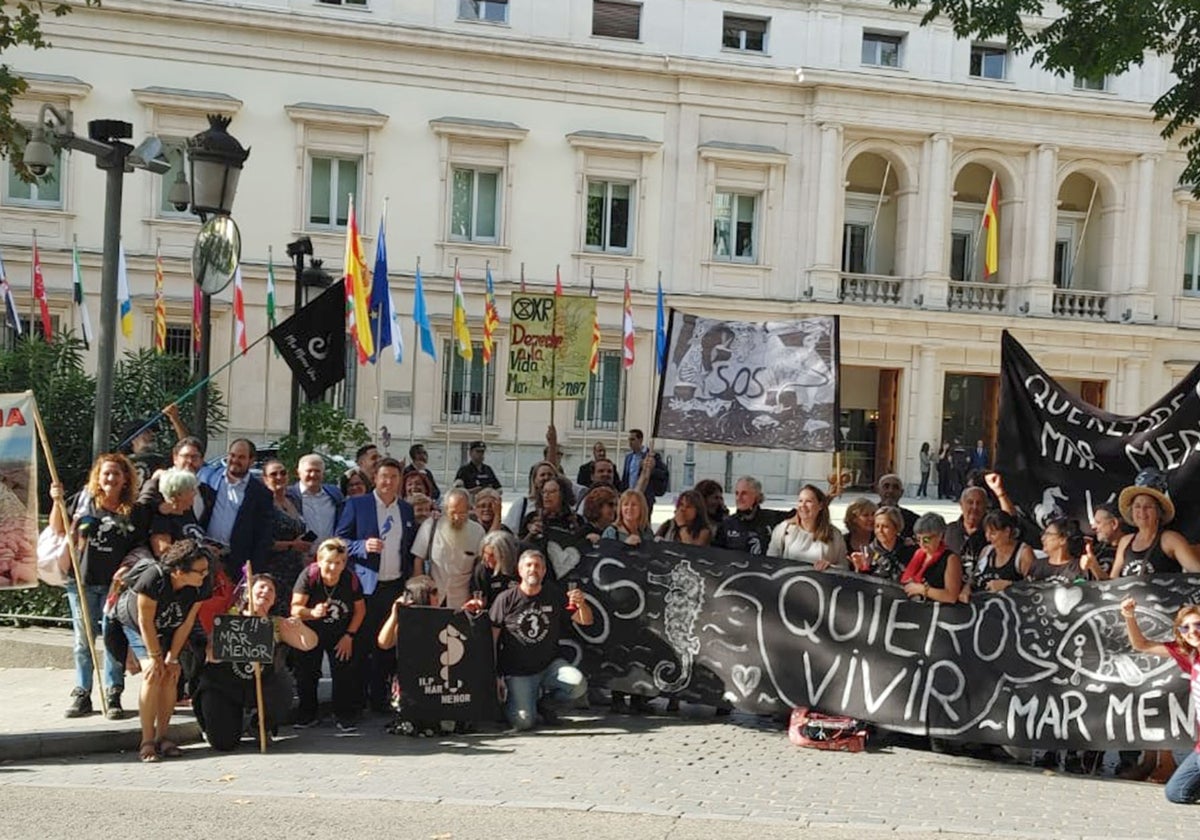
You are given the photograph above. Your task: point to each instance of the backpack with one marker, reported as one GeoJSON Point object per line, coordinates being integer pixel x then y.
{"type": "Point", "coordinates": [660, 478]}
{"type": "Point", "coordinates": [132, 567]}
{"type": "Point", "coordinates": [819, 731]}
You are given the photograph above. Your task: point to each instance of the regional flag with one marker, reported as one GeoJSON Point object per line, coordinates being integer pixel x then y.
{"type": "Point", "coordinates": [627, 329]}
{"type": "Point", "coordinates": [421, 318]}
{"type": "Point", "coordinates": [39, 292]}
{"type": "Point", "coordinates": [10, 305]}
{"type": "Point", "coordinates": [125, 302]}
{"type": "Point", "coordinates": [85, 320]}
{"type": "Point", "coordinates": [461, 333]}
{"type": "Point", "coordinates": [491, 317]}
{"type": "Point", "coordinates": [160, 303]}
{"type": "Point", "coordinates": [239, 311]}
{"type": "Point", "coordinates": [991, 226]}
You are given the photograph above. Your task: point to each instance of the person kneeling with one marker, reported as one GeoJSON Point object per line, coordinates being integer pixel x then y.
{"type": "Point", "coordinates": [527, 621]}
{"type": "Point", "coordinates": [226, 691]}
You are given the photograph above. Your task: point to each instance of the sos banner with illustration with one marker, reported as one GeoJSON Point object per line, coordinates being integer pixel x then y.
{"type": "Point", "coordinates": [549, 346]}
{"type": "Point", "coordinates": [769, 384]}
{"type": "Point", "coordinates": [18, 491]}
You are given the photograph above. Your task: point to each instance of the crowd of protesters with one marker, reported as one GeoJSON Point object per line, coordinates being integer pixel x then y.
{"type": "Point", "coordinates": [165, 547]}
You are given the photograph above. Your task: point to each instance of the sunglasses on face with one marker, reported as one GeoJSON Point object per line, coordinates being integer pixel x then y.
{"type": "Point", "coordinates": [1189, 627]}
{"type": "Point", "coordinates": [927, 538]}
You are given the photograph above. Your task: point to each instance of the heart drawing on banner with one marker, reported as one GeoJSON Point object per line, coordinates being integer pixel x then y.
{"type": "Point", "coordinates": [562, 559]}
{"type": "Point", "coordinates": [1067, 599]}
{"type": "Point", "coordinates": [746, 678]}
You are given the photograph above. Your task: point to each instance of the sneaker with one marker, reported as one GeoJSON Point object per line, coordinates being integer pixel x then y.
{"type": "Point", "coordinates": [115, 712]}
{"type": "Point", "coordinates": [346, 727]}
{"type": "Point", "coordinates": [305, 721]}
{"type": "Point", "coordinates": [548, 715]}
{"type": "Point", "coordinates": [81, 703]}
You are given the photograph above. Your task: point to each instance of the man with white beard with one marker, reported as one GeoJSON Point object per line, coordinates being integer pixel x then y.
{"type": "Point", "coordinates": [446, 548]}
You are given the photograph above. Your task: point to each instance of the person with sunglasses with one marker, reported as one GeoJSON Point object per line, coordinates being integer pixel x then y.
{"type": "Point", "coordinates": [291, 540]}
{"type": "Point", "coordinates": [1183, 787]}
{"type": "Point", "coordinates": [935, 572]}
{"type": "Point", "coordinates": [1066, 560]}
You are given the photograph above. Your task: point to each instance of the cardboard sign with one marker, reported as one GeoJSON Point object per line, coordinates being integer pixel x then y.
{"type": "Point", "coordinates": [243, 638]}
{"type": "Point", "coordinates": [550, 346]}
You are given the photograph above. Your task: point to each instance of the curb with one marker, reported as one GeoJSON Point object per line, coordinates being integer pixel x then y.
{"type": "Point", "coordinates": [34, 745]}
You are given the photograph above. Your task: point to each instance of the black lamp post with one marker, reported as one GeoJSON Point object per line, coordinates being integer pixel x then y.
{"type": "Point", "coordinates": [215, 158]}
{"type": "Point", "coordinates": [308, 277]}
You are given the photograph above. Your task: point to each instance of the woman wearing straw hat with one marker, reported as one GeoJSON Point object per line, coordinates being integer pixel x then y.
{"type": "Point", "coordinates": [1153, 550]}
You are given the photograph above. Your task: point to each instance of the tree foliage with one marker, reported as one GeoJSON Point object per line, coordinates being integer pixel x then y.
{"type": "Point", "coordinates": [322, 428]}
{"type": "Point", "coordinates": [1092, 39]}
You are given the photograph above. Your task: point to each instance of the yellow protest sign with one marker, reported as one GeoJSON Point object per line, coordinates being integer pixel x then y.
{"type": "Point", "coordinates": [549, 346]}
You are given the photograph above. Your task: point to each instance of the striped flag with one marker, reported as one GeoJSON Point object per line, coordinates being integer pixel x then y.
{"type": "Point", "coordinates": [491, 317]}
{"type": "Point", "coordinates": [124, 301]}
{"type": "Point", "coordinates": [594, 359]}
{"type": "Point", "coordinates": [627, 329]}
{"type": "Point", "coordinates": [160, 304]}
{"type": "Point", "coordinates": [10, 305]}
{"type": "Point", "coordinates": [85, 320]}
{"type": "Point", "coordinates": [991, 224]}
{"type": "Point", "coordinates": [421, 318]}
{"type": "Point", "coordinates": [239, 311]}
{"type": "Point", "coordinates": [271, 296]}
{"type": "Point", "coordinates": [39, 292]}
{"type": "Point", "coordinates": [461, 332]}
{"type": "Point", "coordinates": [358, 307]}
{"type": "Point", "coordinates": [197, 318]}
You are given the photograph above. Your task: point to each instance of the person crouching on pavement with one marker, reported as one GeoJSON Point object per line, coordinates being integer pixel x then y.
{"type": "Point", "coordinates": [527, 622]}
{"type": "Point", "coordinates": [226, 691]}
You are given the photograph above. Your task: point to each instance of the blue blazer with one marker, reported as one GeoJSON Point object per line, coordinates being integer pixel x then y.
{"type": "Point", "coordinates": [331, 490]}
{"type": "Point", "coordinates": [253, 529]}
{"type": "Point", "coordinates": [358, 523]}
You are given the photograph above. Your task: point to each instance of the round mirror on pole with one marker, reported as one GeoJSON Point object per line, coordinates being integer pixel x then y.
{"type": "Point", "coordinates": [216, 255]}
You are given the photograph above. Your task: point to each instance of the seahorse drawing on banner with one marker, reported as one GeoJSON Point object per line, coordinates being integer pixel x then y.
{"type": "Point", "coordinates": [682, 603]}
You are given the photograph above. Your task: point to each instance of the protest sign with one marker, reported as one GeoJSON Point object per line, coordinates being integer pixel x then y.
{"type": "Point", "coordinates": [771, 384]}
{"type": "Point", "coordinates": [1061, 456]}
{"type": "Point", "coordinates": [1036, 665]}
{"type": "Point", "coordinates": [549, 346]}
{"type": "Point", "coordinates": [445, 665]}
{"type": "Point", "coordinates": [18, 491]}
{"type": "Point", "coordinates": [243, 638]}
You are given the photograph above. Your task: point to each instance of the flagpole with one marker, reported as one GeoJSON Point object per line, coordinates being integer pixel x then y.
{"type": "Point", "coordinates": [378, 350]}
{"type": "Point", "coordinates": [412, 388]}
{"type": "Point", "coordinates": [654, 369]}
{"type": "Point", "coordinates": [32, 290]}
{"type": "Point", "coordinates": [267, 376]}
{"type": "Point", "coordinates": [487, 267]}
{"type": "Point", "coordinates": [74, 258]}
{"type": "Point", "coordinates": [450, 386]}
{"type": "Point", "coordinates": [517, 417]}
{"type": "Point", "coordinates": [587, 388]}
{"type": "Point", "coordinates": [554, 346]}
{"type": "Point", "coordinates": [622, 403]}
{"type": "Point", "coordinates": [1082, 233]}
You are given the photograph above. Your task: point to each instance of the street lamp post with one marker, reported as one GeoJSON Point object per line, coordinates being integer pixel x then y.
{"type": "Point", "coordinates": [55, 129]}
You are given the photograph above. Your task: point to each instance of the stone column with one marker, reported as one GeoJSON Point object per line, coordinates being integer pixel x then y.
{"type": "Point", "coordinates": [928, 414]}
{"type": "Point", "coordinates": [1044, 216]}
{"type": "Point", "coordinates": [829, 194]}
{"type": "Point", "coordinates": [935, 183]}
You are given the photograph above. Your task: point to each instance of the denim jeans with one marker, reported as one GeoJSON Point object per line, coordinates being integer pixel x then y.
{"type": "Point", "coordinates": [1183, 787]}
{"type": "Point", "coordinates": [114, 671]}
{"type": "Point", "coordinates": [562, 684]}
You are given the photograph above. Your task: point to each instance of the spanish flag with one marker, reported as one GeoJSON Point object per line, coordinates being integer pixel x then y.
{"type": "Point", "coordinates": [991, 227]}
{"type": "Point", "coordinates": [358, 310]}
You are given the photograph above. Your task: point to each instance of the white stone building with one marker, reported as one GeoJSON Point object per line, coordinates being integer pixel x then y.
{"type": "Point", "coordinates": [769, 158]}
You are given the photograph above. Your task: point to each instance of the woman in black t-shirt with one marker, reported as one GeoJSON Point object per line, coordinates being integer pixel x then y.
{"type": "Point", "coordinates": [154, 617]}
{"type": "Point", "coordinates": [104, 532]}
{"type": "Point", "coordinates": [496, 569]}
{"type": "Point", "coordinates": [329, 599]}
{"type": "Point", "coordinates": [175, 518]}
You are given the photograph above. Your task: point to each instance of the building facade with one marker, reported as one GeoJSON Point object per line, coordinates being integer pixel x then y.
{"type": "Point", "coordinates": [766, 159]}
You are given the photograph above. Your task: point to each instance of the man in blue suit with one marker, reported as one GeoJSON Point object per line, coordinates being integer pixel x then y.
{"type": "Point", "coordinates": [242, 512]}
{"type": "Point", "coordinates": [319, 504]}
{"type": "Point", "coordinates": [379, 529]}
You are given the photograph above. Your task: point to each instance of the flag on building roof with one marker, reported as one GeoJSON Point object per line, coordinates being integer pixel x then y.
{"type": "Point", "coordinates": [991, 226]}
{"type": "Point", "coordinates": [239, 311]}
{"type": "Point", "coordinates": [491, 317]}
{"type": "Point", "coordinates": [627, 329]}
{"type": "Point", "coordinates": [39, 293]}
{"type": "Point", "coordinates": [461, 333]}
{"type": "Point", "coordinates": [358, 318]}
{"type": "Point", "coordinates": [85, 320]}
{"type": "Point", "coordinates": [124, 301]}
{"type": "Point", "coordinates": [421, 318]}
{"type": "Point", "coordinates": [160, 303]}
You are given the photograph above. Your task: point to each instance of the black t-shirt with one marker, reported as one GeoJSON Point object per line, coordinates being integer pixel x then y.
{"type": "Point", "coordinates": [750, 534]}
{"type": "Point", "coordinates": [173, 605]}
{"type": "Point", "coordinates": [179, 526]}
{"type": "Point", "coordinates": [147, 464]}
{"type": "Point", "coordinates": [341, 598]}
{"type": "Point", "coordinates": [109, 537]}
{"type": "Point", "coordinates": [473, 477]}
{"type": "Point", "coordinates": [490, 583]}
{"type": "Point", "coordinates": [530, 627]}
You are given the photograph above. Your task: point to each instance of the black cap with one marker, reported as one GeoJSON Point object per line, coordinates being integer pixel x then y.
{"type": "Point", "coordinates": [477, 444]}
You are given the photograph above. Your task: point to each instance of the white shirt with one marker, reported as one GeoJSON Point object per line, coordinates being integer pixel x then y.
{"type": "Point", "coordinates": [391, 532]}
{"type": "Point", "coordinates": [450, 562]}
{"type": "Point", "coordinates": [231, 492]}
{"type": "Point", "coordinates": [791, 542]}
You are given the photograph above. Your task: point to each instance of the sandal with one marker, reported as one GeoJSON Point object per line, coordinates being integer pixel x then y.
{"type": "Point", "coordinates": [169, 749]}
{"type": "Point", "coordinates": [148, 752]}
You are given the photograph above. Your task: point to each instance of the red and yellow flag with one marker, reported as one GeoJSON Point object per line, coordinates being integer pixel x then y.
{"type": "Point", "coordinates": [991, 227]}
{"type": "Point", "coordinates": [491, 318]}
{"type": "Point", "coordinates": [160, 303]}
{"type": "Point", "coordinates": [358, 292]}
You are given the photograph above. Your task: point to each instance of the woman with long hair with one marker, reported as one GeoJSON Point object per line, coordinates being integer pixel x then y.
{"type": "Point", "coordinates": [518, 512]}
{"type": "Point", "coordinates": [926, 460]}
{"type": "Point", "coordinates": [289, 550]}
{"type": "Point", "coordinates": [714, 501]}
{"type": "Point", "coordinates": [860, 524]}
{"type": "Point", "coordinates": [809, 535]}
{"type": "Point", "coordinates": [103, 530]}
{"type": "Point", "coordinates": [496, 569]}
{"type": "Point", "coordinates": [632, 526]}
{"type": "Point", "coordinates": [690, 523]}
{"type": "Point", "coordinates": [599, 511]}
{"type": "Point", "coordinates": [555, 509]}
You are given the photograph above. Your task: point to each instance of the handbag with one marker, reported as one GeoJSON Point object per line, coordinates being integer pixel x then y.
{"type": "Point", "coordinates": [819, 731]}
{"type": "Point", "coordinates": [53, 558]}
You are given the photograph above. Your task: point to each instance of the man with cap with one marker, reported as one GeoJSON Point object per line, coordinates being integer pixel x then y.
{"type": "Point", "coordinates": [475, 473]}
{"type": "Point", "coordinates": [137, 441]}
{"type": "Point", "coordinates": [1153, 550]}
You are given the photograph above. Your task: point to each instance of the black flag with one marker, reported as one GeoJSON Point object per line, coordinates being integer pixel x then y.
{"type": "Point", "coordinates": [313, 341]}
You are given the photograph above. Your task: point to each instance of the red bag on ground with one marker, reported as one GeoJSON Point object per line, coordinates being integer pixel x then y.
{"type": "Point", "coordinates": [819, 731]}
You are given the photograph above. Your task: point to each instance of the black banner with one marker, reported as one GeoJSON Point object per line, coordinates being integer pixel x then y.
{"type": "Point", "coordinates": [445, 665]}
{"type": "Point", "coordinates": [243, 638]}
{"type": "Point", "coordinates": [1035, 665]}
{"type": "Point", "coordinates": [313, 341]}
{"type": "Point", "coordinates": [769, 384]}
{"type": "Point", "coordinates": [1059, 454]}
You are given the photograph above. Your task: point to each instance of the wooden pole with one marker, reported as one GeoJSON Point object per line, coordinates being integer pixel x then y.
{"type": "Point", "coordinates": [74, 555]}
{"type": "Point", "coordinates": [517, 418]}
{"type": "Point", "coordinates": [554, 349]}
{"type": "Point", "coordinates": [258, 689]}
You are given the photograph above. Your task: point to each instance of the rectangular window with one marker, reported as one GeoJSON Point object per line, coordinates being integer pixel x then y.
{"type": "Point", "coordinates": [602, 408]}
{"type": "Point", "coordinates": [8, 336]}
{"type": "Point", "coordinates": [46, 191]}
{"type": "Point", "coordinates": [988, 62]}
{"type": "Point", "coordinates": [467, 393]}
{"type": "Point", "coordinates": [1091, 83]}
{"type": "Point", "coordinates": [734, 227]}
{"type": "Point", "coordinates": [614, 19]}
{"type": "Point", "coordinates": [854, 248]}
{"type": "Point", "coordinates": [179, 340]}
{"type": "Point", "coordinates": [1062, 264]}
{"type": "Point", "coordinates": [609, 206]}
{"type": "Point", "coordinates": [331, 181]}
{"type": "Point", "coordinates": [492, 11]}
{"type": "Point", "coordinates": [475, 205]}
{"type": "Point", "coordinates": [745, 33]}
{"type": "Point", "coordinates": [1191, 265]}
{"type": "Point", "coordinates": [960, 256]}
{"type": "Point", "coordinates": [175, 151]}
{"type": "Point", "coordinates": [880, 50]}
